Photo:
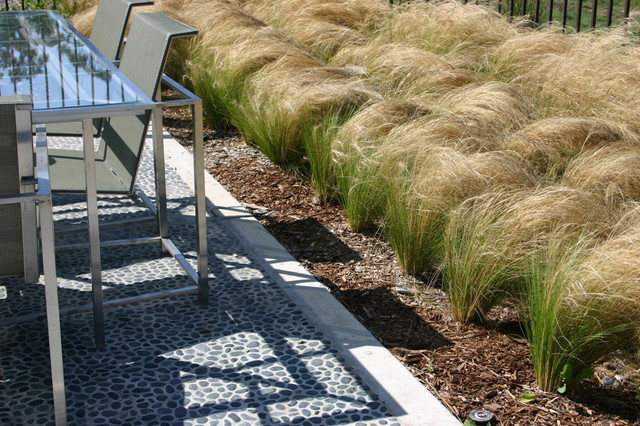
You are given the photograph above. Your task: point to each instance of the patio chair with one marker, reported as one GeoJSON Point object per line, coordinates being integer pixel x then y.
{"type": "Point", "coordinates": [120, 151]}
{"type": "Point", "coordinates": [107, 34]}
{"type": "Point", "coordinates": [20, 190]}
{"type": "Point", "coordinates": [110, 24]}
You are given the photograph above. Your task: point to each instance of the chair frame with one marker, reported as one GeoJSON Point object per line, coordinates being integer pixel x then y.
{"type": "Point", "coordinates": [159, 211]}
{"type": "Point", "coordinates": [29, 196]}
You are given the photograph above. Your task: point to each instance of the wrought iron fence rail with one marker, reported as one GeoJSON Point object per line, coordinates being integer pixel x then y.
{"type": "Point", "coordinates": [28, 4]}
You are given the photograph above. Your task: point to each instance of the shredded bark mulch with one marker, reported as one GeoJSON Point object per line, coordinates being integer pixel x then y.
{"type": "Point", "coordinates": [466, 367]}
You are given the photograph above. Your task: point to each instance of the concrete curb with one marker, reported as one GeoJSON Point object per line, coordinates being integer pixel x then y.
{"type": "Point", "coordinates": [403, 394]}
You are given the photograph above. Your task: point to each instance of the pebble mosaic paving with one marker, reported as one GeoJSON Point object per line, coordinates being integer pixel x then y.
{"type": "Point", "coordinates": [250, 357]}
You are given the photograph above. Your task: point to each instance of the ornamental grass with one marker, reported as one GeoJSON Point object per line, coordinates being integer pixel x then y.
{"type": "Point", "coordinates": [612, 172]}
{"type": "Point", "coordinates": [359, 163]}
{"type": "Point", "coordinates": [321, 26]}
{"type": "Point", "coordinates": [402, 71]}
{"type": "Point", "coordinates": [549, 144]}
{"type": "Point", "coordinates": [500, 156]}
{"type": "Point", "coordinates": [441, 179]}
{"type": "Point", "coordinates": [581, 303]}
{"type": "Point", "coordinates": [446, 27]}
{"type": "Point", "coordinates": [490, 237]}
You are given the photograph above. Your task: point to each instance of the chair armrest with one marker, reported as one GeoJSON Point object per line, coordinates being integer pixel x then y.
{"type": "Point", "coordinates": [189, 98]}
{"type": "Point", "coordinates": [42, 175]}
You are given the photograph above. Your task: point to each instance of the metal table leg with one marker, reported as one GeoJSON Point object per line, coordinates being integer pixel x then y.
{"type": "Point", "coordinates": [94, 232]}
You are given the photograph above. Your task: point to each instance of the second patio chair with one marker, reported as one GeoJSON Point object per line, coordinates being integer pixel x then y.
{"type": "Point", "coordinates": [107, 34]}
{"type": "Point", "coordinates": [120, 151]}
{"type": "Point", "coordinates": [20, 191]}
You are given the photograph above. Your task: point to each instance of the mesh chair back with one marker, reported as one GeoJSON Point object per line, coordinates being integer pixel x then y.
{"type": "Point", "coordinates": [110, 23]}
{"type": "Point", "coordinates": [143, 62]}
{"type": "Point", "coordinates": [11, 254]}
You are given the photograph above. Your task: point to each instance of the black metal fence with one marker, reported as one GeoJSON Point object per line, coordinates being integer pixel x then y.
{"type": "Point", "coordinates": [573, 15]}
{"type": "Point", "coordinates": [569, 13]}
{"type": "Point", "coordinates": [28, 4]}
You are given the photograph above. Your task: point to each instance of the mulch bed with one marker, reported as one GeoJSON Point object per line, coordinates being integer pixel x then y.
{"type": "Point", "coordinates": [466, 366]}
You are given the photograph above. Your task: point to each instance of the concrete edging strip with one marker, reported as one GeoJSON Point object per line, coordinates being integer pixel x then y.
{"type": "Point", "coordinates": [407, 399]}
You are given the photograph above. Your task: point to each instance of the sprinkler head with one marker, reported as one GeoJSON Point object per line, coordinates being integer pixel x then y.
{"type": "Point", "coordinates": [480, 417]}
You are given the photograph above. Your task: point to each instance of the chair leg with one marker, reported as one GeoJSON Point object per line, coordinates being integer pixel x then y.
{"type": "Point", "coordinates": [201, 208]}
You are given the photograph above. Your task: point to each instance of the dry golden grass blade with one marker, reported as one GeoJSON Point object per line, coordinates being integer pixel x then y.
{"type": "Point", "coordinates": [549, 144]}
{"type": "Point", "coordinates": [354, 14]}
{"type": "Point", "coordinates": [612, 171]}
{"type": "Point", "coordinates": [405, 71]}
{"type": "Point", "coordinates": [312, 90]}
{"type": "Point", "coordinates": [370, 124]}
{"type": "Point", "coordinates": [544, 211]}
{"type": "Point", "coordinates": [448, 26]}
{"type": "Point", "coordinates": [416, 137]}
{"type": "Point", "coordinates": [525, 50]}
{"type": "Point", "coordinates": [321, 26]}
{"type": "Point", "coordinates": [494, 108]}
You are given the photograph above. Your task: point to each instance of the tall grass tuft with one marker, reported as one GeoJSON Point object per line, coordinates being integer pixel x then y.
{"type": "Point", "coordinates": [548, 145]}
{"type": "Point", "coordinates": [284, 102]}
{"type": "Point", "coordinates": [321, 26]}
{"type": "Point", "coordinates": [402, 71]}
{"type": "Point", "coordinates": [439, 181]}
{"type": "Point", "coordinates": [612, 171]}
{"type": "Point", "coordinates": [318, 147]}
{"type": "Point", "coordinates": [445, 27]}
{"type": "Point", "coordinates": [522, 51]}
{"type": "Point", "coordinates": [489, 236]}
{"type": "Point", "coordinates": [481, 265]}
{"type": "Point", "coordinates": [581, 303]}
{"type": "Point", "coordinates": [491, 108]}
{"type": "Point", "coordinates": [359, 163]}
{"type": "Point", "coordinates": [598, 77]}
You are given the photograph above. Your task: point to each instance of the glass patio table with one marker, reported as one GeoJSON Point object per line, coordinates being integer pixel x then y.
{"type": "Point", "coordinates": [69, 80]}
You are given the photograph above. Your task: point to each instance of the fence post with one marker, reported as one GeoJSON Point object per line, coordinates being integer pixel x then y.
{"type": "Point", "coordinates": [578, 15]}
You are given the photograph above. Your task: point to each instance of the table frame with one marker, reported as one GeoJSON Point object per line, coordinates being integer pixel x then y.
{"type": "Point", "coordinates": [86, 114]}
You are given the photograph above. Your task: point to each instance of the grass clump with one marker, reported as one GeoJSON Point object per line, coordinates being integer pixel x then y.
{"type": "Point", "coordinates": [283, 103]}
{"type": "Point", "coordinates": [480, 266]}
{"type": "Point", "coordinates": [581, 303]}
{"type": "Point", "coordinates": [403, 72]}
{"type": "Point", "coordinates": [489, 237]}
{"type": "Point", "coordinates": [549, 144]}
{"type": "Point", "coordinates": [440, 180]}
{"type": "Point", "coordinates": [612, 171]}
{"type": "Point", "coordinates": [360, 163]}
{"type": "Point", "coordinates": [321, 26]}
{"type": "Point", "coordinates": [446, 27]}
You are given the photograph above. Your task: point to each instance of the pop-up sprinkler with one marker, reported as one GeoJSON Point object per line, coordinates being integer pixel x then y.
{"type": "Point", "coordinates": [481, 417]}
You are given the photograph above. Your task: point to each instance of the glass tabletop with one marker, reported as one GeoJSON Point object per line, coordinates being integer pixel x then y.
{"type": "Point", "coordinates": [43, 56]}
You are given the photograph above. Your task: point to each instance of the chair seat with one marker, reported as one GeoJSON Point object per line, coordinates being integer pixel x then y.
{"type": "Point", "coordinates": [67, 173]}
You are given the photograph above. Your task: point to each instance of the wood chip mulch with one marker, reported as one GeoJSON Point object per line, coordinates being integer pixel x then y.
{"type": "Point", "coordinates": [466, 367]}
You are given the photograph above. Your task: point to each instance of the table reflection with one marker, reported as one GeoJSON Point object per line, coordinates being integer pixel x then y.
{"type": "Point", "coordinates": [42, 56]}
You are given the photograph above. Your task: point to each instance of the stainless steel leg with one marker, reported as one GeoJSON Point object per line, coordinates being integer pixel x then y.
{"type": "Point", "coordinates": [201, 208]}
{"type": "Point", "coordinates": [160, 178]}
{"type": "Point", "coordinates": [94, 232]}
{"type": "Point", "coordinates": [53, 314]}
{"type": "Point", "coordinates": [47, 239]}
